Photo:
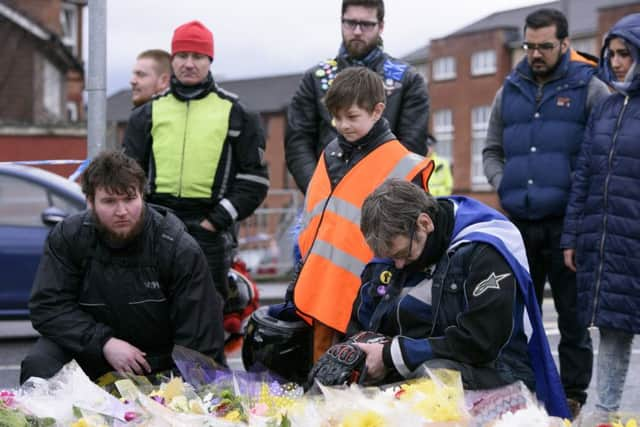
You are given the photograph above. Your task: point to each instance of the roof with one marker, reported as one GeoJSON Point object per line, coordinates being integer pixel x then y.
{"type": "Point", "coordinates": [581, 14]}
{"type": "Point", "coordinates": [418, 56]}
{"type": "Point", "coordinates": [265, 94]}
{"type": "Point", "coordinates": [513, 18]}
{"type": "Point", "coordinates": [261, 94]}
{"type": "Point", "coordinates": [119, 106]}
{"type": "Point", "coordinates": [55, 45]}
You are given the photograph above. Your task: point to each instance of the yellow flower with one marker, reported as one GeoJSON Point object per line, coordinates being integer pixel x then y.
{"type": "Point", "coordinates": [233, 415]}
{"type": "Point", "coordinates": [90, 421]}
{"type": "Point", "coordinates": [433, 402]}
{"type": "Point", "coordinates": [632, 423]}
{"type": "Point", "coordinates": [363, 419]}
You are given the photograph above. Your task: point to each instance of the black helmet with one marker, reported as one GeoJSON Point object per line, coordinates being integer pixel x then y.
{"type": "Point", "coordinates": [278, 340]}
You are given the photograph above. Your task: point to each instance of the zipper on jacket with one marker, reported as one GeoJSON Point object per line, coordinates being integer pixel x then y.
{"type": "Point", "coordinates": [605, 216]}
{"type": "Point", "coordinates": [184, 144]}
{"type": "Point", "coordinates": [539, 94]}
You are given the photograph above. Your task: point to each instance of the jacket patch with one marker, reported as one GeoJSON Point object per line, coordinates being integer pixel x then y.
{"type": "Point", "coordinates": [563, 101]}
{"type": "Point", "coordinates": [394, 70]}
{"type": "Point", "coordinates": [491, 282]}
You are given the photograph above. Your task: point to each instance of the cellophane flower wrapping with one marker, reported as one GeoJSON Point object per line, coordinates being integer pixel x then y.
{"type": "Point", "coordinates": [266, 398]}
{"type": "Point", "coordinates": [171, 404]}
{"type": "Point", "coordinates": [421, 402]}
{"type": "Point", "coordinates": [439, 398]}
{"type": "Point", "coordinates": [70, 388]}
{"type": "Point", "coordinates": [512, 404]}
{"type": "Point", "coordinates": [614, 419]}
{"type": "Point", "coordinates": [236, 396]}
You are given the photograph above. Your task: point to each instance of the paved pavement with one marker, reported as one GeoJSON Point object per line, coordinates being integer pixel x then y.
{"type": "Point", "coordinates": [16, 337]}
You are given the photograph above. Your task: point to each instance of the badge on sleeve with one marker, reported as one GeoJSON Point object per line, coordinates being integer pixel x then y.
{"type": "Point", "coordinates": [491, 282]}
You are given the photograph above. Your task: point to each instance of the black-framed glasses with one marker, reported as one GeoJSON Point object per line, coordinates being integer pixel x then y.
{"type": "Point", "coordinates": [402, 255]}
{"type": "Point", "coordinates": [540, 47]}
{"type": "Point", "coordinates": [352, 24]}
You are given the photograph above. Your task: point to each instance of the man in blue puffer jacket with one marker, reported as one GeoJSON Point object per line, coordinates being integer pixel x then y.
{"type": "Point", "coordinates": [535, 130]}
{"type": "Point", "coordinates": [602, 227]}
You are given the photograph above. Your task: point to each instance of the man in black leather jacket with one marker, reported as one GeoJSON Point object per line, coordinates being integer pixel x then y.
{"type": "Point", "coordinates": [309, 125]}
{"type": "Point", "coordinates": [120, 284]}
{"type": "Point", "coordinates": [202, 151]}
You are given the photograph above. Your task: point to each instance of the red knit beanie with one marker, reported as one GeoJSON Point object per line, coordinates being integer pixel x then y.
{"type": "Point", "coordinates": [192, 37]}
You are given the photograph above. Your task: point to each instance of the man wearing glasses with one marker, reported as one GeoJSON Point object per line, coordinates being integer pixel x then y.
{"type": "Point", "coordinates": [535, 133]}
{"type": "Point", "coordinates": [309, 124]}
{"type": "Point", "coordinates": [452, 290]}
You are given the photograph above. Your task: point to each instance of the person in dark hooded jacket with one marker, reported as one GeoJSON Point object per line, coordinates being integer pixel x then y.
{"type": "Point", "coordinates": [601, 231]}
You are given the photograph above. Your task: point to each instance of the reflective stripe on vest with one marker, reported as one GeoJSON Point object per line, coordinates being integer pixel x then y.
{"type": "Point", "coordinates": [331, 243]}
{"type": "Point", "coordinates": [188, 138]}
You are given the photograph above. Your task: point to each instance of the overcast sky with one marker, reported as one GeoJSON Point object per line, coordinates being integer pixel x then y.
{"type": "Point", "coordinates": [262, 38]}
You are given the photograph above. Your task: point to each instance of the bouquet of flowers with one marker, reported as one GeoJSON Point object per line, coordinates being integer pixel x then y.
{"type": "Point", "coordinates": [72, 391]}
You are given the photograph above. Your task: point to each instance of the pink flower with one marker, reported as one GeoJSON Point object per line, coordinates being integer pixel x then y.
{"type": "Point", "coordinates": [130, 415]}
{"type": "Point", "coordinates": [7, 397]}
{"type": "Point", "coordinates": [260, 409]}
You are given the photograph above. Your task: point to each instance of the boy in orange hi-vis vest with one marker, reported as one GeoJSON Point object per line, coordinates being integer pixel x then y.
{"type": "Point", "coordinates": [333, 249]}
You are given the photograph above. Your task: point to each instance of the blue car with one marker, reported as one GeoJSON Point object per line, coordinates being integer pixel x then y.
{"type": "Point", "coordinates": [31, 201]}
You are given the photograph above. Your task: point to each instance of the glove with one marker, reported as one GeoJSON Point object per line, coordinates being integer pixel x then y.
{"type": "Point", "coordinates": [342, 364]}
{"type": "Point", "coordinates": [368, 337]}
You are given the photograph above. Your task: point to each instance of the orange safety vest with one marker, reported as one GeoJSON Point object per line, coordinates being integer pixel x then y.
{"type": "Point", "coordinates": [333, 249]}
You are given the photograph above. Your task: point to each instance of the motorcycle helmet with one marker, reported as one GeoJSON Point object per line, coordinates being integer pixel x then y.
{"type": "Point", "coordinates": [276, 339]}
{"type": "Point", "coordinates": [243, 300]}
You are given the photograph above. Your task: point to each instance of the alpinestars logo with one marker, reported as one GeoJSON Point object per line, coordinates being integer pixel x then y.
{"type": "Point", "coordinates": [491, 282]}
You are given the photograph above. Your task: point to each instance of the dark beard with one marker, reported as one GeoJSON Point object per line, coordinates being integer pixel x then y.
{"type": "Point", "coordinates": [547, 73]}
{"type": "Point", "coordinates": [120, 239]}
{"type": "Point", "coordinates": [359, 50]}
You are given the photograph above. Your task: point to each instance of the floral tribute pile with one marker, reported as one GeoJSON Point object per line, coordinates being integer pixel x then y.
{"type": "Point", "coordinates": [202, 394]}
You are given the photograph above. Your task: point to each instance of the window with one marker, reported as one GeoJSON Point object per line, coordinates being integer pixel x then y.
{"type": "Point", "coordinates": [72, 111]}
{"type": "Point", "coordinates": [443, 131]}
{"type": "Point", "coordinates": [52, 89]}
{"type": "Point", "coordinates": [479, 126]}
{"type": "Point", "coordinates": [483, 62]}
{"type": "Point", "coordinates": [423, 70]}
{"type": "Point", "coordinates": [69, 24]}
{"type": "Point", "coordinates": [444, 68]}
{"type": "Point", "coordinates": [22, 202]}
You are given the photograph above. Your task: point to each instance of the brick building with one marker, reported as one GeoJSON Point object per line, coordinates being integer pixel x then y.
{"type": "Point", "coordinates": [41, 81]}
{"type": "Point", "coordinates": [468, 66]}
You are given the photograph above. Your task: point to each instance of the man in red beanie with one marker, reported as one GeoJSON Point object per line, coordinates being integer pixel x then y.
{"type": "Point", "coordinates": [202, 152]}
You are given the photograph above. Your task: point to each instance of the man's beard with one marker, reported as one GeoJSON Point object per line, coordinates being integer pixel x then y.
{"type": "Point", "coordinates": [120, 238]}
{"type": "Point", "coordinates": [358, 49]}
{"type": "Point", "coordinates": [549, 71]}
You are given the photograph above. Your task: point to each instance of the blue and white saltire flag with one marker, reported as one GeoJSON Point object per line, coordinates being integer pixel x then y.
{"type": "Point", "coordinates": [476, 222]}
